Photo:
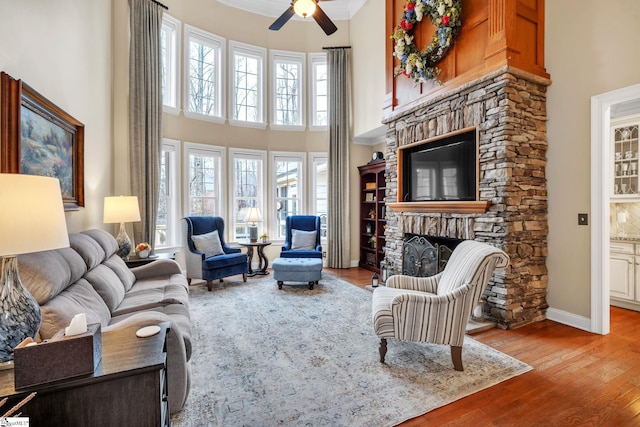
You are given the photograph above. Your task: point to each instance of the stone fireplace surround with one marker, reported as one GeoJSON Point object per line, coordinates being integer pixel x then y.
{"type": "Point", "coordinates": [508, 107]}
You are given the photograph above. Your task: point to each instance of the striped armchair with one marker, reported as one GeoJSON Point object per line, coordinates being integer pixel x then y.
{"type": "Point", "coordinates": [436, 309]}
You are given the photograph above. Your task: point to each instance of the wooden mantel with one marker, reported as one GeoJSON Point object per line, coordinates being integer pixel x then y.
{"type": "Point", "coordinates": [494, 34]}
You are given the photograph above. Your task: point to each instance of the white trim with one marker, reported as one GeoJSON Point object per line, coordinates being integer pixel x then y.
{"type": "Point", "coordinates": [174, 28]}
{"type": "Point", "coordinates": [319, 58]}
{"type": "Point", "coordinates": [211, 151]}
{"type": "Point", "coordinates": [569, 319]}
{"type": "Point", "coordinates": [259, 53]}
{"type": "Point", "coordinates": [219, 43]}
{"type": "Point", "coordinates": [242, 153]}
{"type": "Point", "coordinates": [287, 156]}
{"type": "Point", "coordinates": [313, 185]}
{"type": "Point", "coordinates": [175, 196]}
{"type": "Point", "coordinates": [600, 176]}
{"type": "Point", "coordinates": [289, 57]}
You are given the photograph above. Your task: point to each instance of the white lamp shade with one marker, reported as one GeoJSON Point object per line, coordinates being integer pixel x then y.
{"type": "Point", "coordinates": [253, 215]}
{"type": "Point", "coordinates": [32, 216]}
{"type": "Point", "coordinates": [120, 209]}
{"type": "Point", "coordinates": [304, 8]}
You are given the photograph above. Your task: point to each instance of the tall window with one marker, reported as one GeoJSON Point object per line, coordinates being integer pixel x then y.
{"type": "Point", "coordinates": [167, 219]}
{"type": "Point", "coordinates": [287, 75]}
{"type": "Point", "coordinates": [319, 94]}
{"type": "Point", "coordinates": [170, 51]}
{"type": "Point", "coordinates": [319, 184]}
{"type": "Point", "coordinates": [204, 94]}
{"type": "Point", "coordinates": [204, 172]}
{"type": "Point", "coordinates": [287, 184]}
{"type": "Point", "coordinates": [247, 181]}
{"type": "Point", "coordinates": [247, 84]}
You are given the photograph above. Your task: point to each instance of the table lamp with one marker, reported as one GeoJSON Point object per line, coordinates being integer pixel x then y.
{"type": "Point", "coordinates": [253, 216]}
{"type": "Point", "coordinates": [31, 220]}
{"type": "Point", "coordinates": [122, 209]}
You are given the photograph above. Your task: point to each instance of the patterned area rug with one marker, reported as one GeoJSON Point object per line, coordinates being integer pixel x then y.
{"type": "Point", "coordinates": [300, 357]}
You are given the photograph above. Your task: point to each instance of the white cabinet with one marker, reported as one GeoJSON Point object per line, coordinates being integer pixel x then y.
{"type": "Point", "coordinates": [624, 266]}
{"type": "Point", "coordinates": [624, 157]}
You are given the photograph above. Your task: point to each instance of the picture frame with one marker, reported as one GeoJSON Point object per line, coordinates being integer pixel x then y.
{"type": "Point", "coordinates": [368, 197]}
{"type": "Point", "coordinates": [39, 138]}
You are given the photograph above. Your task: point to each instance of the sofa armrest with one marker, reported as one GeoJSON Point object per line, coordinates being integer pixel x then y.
{"type": "Point", "coordinates": [230, 250]}
{"type": "Point", "coordinates": [158, 268]}
{"type": "Point", "coordinates": [423, 284]}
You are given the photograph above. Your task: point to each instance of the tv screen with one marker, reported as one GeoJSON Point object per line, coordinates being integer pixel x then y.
{"type": "Point", "coordinates": [443, 170]}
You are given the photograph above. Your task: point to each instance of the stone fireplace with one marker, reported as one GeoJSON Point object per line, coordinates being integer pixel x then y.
{"type": "Point", "coordinates": [508, 108]}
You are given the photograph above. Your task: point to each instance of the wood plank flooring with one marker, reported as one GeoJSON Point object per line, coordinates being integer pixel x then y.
{"type": "Point", "coordinates": [579, 378]}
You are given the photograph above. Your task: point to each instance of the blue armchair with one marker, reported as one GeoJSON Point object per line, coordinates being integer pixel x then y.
{"type": "Point", "coordinates": [301, 225]}
{"type": "Point", "coordinates": [208, 257]}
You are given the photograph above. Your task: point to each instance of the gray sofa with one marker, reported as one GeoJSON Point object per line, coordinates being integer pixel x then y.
{"type": "Point", "coordinates": [89, 277]}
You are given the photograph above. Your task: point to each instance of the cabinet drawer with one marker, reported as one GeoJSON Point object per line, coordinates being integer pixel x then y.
{"type": "Point", "coordinates": [624, 248]}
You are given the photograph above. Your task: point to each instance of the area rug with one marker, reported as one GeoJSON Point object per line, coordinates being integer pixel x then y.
{"type": "Point", "coordinates": [300, 357]}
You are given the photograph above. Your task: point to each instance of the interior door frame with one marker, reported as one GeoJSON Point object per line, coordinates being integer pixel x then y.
{"type": "Point", "coordinates": [600, 188]}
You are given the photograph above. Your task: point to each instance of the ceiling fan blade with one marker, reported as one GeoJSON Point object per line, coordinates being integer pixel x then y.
{"type": "Point", "coordinates": [278, 23]}
{"type": "Point", "coordinates": [324, 21]}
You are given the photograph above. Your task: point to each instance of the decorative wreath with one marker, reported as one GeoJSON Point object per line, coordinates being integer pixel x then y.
{"type": "Point", "coordinates": [421, 65]}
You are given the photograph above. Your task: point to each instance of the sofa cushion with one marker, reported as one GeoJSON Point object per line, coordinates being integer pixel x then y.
{"type": "Point", "coordinates": [90, 250]}
{"type": "Point", "coordinates": [117, 264]}
{"type": "Point", "coordinates": [303, 240]}
{"type": "Point", "coordinates": [106, 241]}
{"type": "Point", "coordinates": [106, 282]}
{"type": "Point", "coordinates": [78, 298]}
{"type": "Point", "coordinates": [46, 274]}
{"type": "Point", "coordinates": [221, 261]}
{"type": "Point", "coordinates": [156, 292]}
{"type": "Point", "coordinates": [208, 243]}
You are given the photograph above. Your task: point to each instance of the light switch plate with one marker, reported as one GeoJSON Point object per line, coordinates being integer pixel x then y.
{"type": "Point", "coordinates": [583, 219]}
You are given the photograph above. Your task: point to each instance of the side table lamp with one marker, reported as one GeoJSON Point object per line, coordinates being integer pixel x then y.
{"type": "Point", "coordinates": [253, 216]}
{"type": "Point", "coordinates": [122, 209]}
{"type": "Point", "coordinates": [31, 220]}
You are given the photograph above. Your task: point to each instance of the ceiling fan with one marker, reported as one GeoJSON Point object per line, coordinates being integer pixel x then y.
{"type": "Point", "coordinates": [306, 8]}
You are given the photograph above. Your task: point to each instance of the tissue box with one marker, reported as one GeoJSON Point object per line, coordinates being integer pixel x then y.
{"type": "Point", "coordinates": [58, 358]}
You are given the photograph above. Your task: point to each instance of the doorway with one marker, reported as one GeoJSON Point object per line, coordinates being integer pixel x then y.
{"type": "Point", "coordinates": [602, 107]}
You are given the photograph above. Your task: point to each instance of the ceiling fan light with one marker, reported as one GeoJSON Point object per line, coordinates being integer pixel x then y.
{"type": "Point", "coordinates": [304, 8]}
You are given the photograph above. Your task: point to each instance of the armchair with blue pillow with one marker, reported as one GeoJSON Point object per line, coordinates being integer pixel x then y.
{"type": "Point", "coordinates": [302, 238]}
{"type": "Point", "coordinates": [207, 255]}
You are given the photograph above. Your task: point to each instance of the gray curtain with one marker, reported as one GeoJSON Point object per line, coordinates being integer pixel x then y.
{"type": "Point", "coordinates": [145, 113]}
{"type": "Point", "coordinates": [339, 86]}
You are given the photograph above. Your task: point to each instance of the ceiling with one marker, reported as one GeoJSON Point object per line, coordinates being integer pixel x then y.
{"type": "Point", "coordinates": [335, 9]}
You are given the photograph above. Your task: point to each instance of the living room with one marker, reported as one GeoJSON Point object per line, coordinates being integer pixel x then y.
{"type": "Point", "coordinates": [76, 54]}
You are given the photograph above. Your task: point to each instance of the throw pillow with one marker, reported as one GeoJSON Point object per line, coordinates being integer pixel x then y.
{"type": "Point", "coordinates": [303, 240]}
{"type": "Point", "coordinates": [209, 243]}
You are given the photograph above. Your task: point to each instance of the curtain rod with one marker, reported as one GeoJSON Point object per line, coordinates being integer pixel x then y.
{"type": "Point", "coordinates": [336, 47]}
{"type": "Point", "coordinates": [160, 4]}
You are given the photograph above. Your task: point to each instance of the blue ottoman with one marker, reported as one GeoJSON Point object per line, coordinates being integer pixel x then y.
{"type": "Point", "coordinates": [297, 270]}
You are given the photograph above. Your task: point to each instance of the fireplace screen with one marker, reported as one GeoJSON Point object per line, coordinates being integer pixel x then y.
{"type": "Point", "coordinates": [424, 256]}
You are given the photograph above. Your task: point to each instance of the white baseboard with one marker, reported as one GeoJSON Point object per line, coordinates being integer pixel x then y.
{"type": "Point", "coordinates": [569, 319]}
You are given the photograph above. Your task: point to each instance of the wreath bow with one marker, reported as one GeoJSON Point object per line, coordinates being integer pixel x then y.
{"type": "Point", "coordinates": [421, 65]}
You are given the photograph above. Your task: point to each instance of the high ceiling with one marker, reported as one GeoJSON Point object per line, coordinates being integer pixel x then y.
{"type": "Point", "coordinates": [335, 9]}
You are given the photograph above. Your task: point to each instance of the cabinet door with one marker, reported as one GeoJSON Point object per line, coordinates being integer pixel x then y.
{"type": "Point", "coordinates": [624, 136]}
{"type": "Point", "coordinates": [622, 276]}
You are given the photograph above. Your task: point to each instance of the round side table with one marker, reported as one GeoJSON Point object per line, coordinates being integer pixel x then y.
{"type": "Point", "coordinates": [263, 262]}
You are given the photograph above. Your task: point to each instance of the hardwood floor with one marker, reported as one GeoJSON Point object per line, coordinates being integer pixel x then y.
{"type": "Point", "coordinates": [579, 378]}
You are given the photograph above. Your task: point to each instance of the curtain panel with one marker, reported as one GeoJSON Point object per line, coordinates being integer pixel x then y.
{"type": "Point", "coordinates": [145, 112]}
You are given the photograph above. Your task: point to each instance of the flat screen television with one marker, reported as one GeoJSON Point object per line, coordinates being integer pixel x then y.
{"type": "Point", "coordinates": [442, 170]}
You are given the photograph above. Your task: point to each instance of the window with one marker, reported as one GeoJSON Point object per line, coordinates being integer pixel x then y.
{"type": "Point", "coordinates": [204, 75]}
{"type": "Point", "coordinates": [170, 51]}
{"type": "Point", "coordinates": [287, 76]}
{"type": "Point", "coordinates": [204, 171]}
{"type": "Point", "coordinates": [167, 219]}
{"type": "Point", "coordinates": [319, 91]}
{"type": "Point", "coordinates": [319, 184]}
{"type": "Point", "coordinates": [287, 184]}
{"type": "Point", "coordinates": [247, 84]}
{"type": "Point", "coordinates": [247, 182]}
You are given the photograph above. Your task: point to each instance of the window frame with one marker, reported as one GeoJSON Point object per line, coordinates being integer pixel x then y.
{"type": "Point", "coordinates": [218, 43]}
{"type": "Point", "coordinates": [313, 187]}
{"type": "Point", "coordinates": [261, 200]}
{"type": "Point", "coordinates": [314, 60]}
{"type": "Point", "coordinates": [207, 150]}
{"type": "Point", "coordinates": [283, 56]}
{"type": "Point", "coordinates": [173, 26]}
{"type": "Point", "coordinates": [275, 156]}
{"type": "Point", "coordinates": [174, 189]}
{"type": "Point", "coordinates": [260, 53]}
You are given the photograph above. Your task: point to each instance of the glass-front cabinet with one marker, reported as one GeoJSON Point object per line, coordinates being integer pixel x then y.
{"type": "Point", "coordinates": [624, 136]}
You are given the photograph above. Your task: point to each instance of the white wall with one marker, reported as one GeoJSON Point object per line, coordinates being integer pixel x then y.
{"type": "Point", "coordinates": [590, 49]}
{"type": "Point", "coordinates": [62, 49]}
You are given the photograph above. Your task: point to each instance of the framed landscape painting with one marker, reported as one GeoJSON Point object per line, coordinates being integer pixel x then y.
{"type": "Point", "coordinates": [38, 138]}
